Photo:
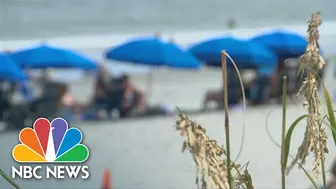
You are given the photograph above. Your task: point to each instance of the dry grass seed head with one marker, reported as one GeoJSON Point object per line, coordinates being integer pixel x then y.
{"type": "Point", "coordinates": [310, 63]}
{"type": "Point", "coordinates": [208, 156]}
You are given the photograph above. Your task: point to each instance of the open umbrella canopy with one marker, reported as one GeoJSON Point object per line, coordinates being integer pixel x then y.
{"type": "Point", "coordinates": [154, 52]}
{"type": "Point", "coordinates": [45, 56]}
{"type": "Point", "coordinates": [9, 70]}
{"type": "Point", "coordinates": [284, 44]}
{"type": "Point", "coordinates": [245, 54]}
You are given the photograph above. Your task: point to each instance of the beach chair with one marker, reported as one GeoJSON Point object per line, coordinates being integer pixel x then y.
{"type": "Point", "coordinates": [15, 117]}
{"type": "Point", "coordinates": [47, 108]}
{"type": "Point", "coordinates": [111, 102]}
{"type": "Point", "coordinates": [23, 115]}
{"type": "Point", "coordinates": [4, 105]}
{"type": "Point", "coordinates": [48, 104]}
{"type": "Point", "coordinates": [259, 93]}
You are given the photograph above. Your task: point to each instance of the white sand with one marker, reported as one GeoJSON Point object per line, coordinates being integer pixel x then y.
{"type": "Point", "coordinates": [147, 153]}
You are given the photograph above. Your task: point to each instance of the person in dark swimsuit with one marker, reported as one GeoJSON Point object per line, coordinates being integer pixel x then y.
{"type": "Point", "coordinates": [133, 98]}
{"type": "Point", "coordinates": [99, 100]}
{"type": "Point", "coordinates": [100, 94]}
{"type": "Point", "coordinates": [100, 91]}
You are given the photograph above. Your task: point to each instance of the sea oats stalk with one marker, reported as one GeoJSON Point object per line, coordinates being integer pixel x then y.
{"type": "Point", "coordinates": [226, 111]}
{"type": "Point", "coordinates": [283, 135]}
{"type": "Point", "coordinates": [310, 64]}
{"type": "Point", "coordinates": [213, 164]}
{"type": "Point", "coordinates": [205, 152]}
{"type": "Point", "coordinates": [210, 158]}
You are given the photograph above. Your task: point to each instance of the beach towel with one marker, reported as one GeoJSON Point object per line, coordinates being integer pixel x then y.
{"type": "Point", "coordinates": [66, 113]}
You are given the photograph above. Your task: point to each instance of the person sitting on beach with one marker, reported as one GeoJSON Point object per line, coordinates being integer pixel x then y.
{"type": "Point", "coordinates": [100, 92]}
{"type": "Point", "coordinates": [68, 105]}
{"type": "Point", "coordinates": [66, 98]}
{"type": "Point", "coordinates": [248, 77]}
{"type": "Point", "coordinates": [231, 23]}
{"type": "Point", "coordinates": [260, 90]}
{"type": "Point", "coordinates": [291, 70]}
{"type": "Point", "coordinates": [213, 96]}
{"type": "Point", "coordinates": [234, 93]}
{"type": "Point", "coordinates": [276, 79]}
{"type": "Point", "coordinates": [133, 98]}
{"type": "Point", "coordinates": [41, 80]}
{"type": "Point", "coordinates": [158, 35]}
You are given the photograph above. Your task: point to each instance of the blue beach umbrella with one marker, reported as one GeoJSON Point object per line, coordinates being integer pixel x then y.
{"type": "Point", "coordinates": [246, 54]}
{"type": "Point", "coordinates": [153, 52]}
{"type": "Point", "coordinates": [9, 70]}
{"type": "Point", "coordinates": [45, 56]}
{"type": "Point", "coordinates": [284, 44]}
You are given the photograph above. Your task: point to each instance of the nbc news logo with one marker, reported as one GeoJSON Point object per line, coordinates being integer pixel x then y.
{"type": "Point", "coordinates": [50, 143]}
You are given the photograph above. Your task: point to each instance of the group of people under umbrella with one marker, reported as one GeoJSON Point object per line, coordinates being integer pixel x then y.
{"type": "Point", "coordinates": [14, 74]}
{"type": "Point", "coordinates": [264, 54]}
{"type": "Point", "coordinates": [270, 56]}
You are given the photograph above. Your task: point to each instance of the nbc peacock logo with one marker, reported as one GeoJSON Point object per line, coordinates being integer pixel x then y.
{"type": "Point", "coordinates": [50, 142]}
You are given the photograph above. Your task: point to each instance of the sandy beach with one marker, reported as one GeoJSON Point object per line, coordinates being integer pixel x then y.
{"type": "Point", "coordinates": [147, 153]}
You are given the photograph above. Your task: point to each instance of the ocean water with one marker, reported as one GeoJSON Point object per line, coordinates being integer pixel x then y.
{"type": "Point", "coordinates": [99, 24]}
{"type": "Point", "coordinates": [47, 18]}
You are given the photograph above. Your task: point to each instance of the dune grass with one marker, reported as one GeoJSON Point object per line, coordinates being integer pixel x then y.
{"type": "Point", "coordinates": [213, 162]}
{"type": "Point", "coordinates": [9, 180]}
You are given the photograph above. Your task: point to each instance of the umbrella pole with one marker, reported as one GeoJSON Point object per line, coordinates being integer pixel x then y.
{"type": "Point", "coordinates": [149, 87]}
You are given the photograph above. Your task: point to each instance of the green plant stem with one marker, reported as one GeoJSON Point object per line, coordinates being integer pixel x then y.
{"type": "Point", "coordinates": [9, 180]}
{"type": "Point", "coordinates": [324, 180]}
{"type": "Point", "coordinates": [331, 114]}
{"type": "Point", "coordinates": [283, 135]}
{"type": "Point", "coordinates": [227, 128]}
{"type": "Point", "coordinates": [332, 126]}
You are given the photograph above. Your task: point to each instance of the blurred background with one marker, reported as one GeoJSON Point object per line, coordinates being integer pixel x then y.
{"type": "Point", "coordinates": [116, 69]}
{"type": "Point", "coordinates": [43, 19]}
